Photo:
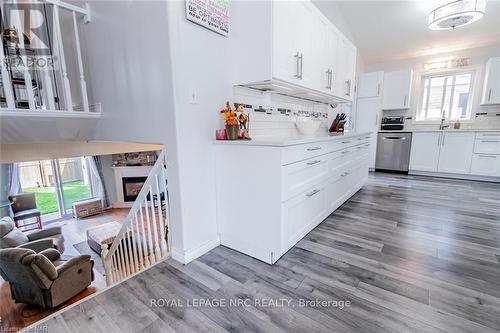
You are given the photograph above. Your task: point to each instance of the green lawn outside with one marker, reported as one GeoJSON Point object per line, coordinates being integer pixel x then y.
{"type": "Point", "coordinates": [46, 200]}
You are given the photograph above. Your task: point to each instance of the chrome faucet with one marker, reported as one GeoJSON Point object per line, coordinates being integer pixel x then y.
{"type": "Point", "coordinates": [442, 126]}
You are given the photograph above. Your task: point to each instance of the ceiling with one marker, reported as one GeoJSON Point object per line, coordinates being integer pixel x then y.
{"type": "Point", "coordinates": [388, 30]}
{"type": "Point", "coordinates": [23, 152]}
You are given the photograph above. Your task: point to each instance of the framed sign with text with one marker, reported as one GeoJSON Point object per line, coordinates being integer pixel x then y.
{"type": "Point", "coordinates": [211, 14]}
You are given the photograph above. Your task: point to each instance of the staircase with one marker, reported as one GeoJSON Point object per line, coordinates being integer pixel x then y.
{"type": "Point", "coordinates": [144, 238]}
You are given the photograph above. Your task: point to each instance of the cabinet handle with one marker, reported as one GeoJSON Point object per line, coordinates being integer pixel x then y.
{"type": "Point", "coordinates": [490, 141]}
{"type": "Point", "coordinates": [378, 89]}
{"type": "Point", "coordinates": [328, 79]}
{"type": "Point", "coordinates": [439, 139]}
{"type": "Point", "coordinates": [312, 193]}
{"type": "Point", "coordinates": [297, 68]}
{"type": "Point", "coordinates": [489, 95]}
{"type": "Point", "coordinates": [348, 86]}
{"type": "Point", "coordinates": [301, 65]}
{"type": "Point", "coordinates": [442, 142]}
{"type": "Point", "coordinates": [331, 78]}
{"type": "Point", "coordinates": [313, 162]}
{"type": "Point", "coordinates": [332, 81]}
{"type": "Point", "coordinates": [404, 102]}
{"type": "Point", "coordinates": [344, 142]}
{"type": "Point", "coordinates": [488, 156]}
{"type": "Point", "coordinates": [313, 148]}
{"type": "Point", "coordinates": [345, 152]}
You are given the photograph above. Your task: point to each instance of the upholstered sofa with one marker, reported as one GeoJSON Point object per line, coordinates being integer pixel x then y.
{"type": "Point", "coordinates": [44, 278]}
{"type": "Point", "coordinates": [11, 237]}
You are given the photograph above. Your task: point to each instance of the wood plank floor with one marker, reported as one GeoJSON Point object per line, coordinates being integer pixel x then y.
{"type": "Point", "coordinates": [410, 254]}
{"type": "Point", "coordinates": [16, 316]}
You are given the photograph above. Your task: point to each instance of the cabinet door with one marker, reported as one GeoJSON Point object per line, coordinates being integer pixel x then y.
{"type": "Point", "coordinates": [301, 214]}
{"type": "Point", "coordinates": [397, 89]}
{"type": "Point", "coordinates": [367, 120]}
{"type": "Point", "coordinates": [491, 87]}
{"type": "Point", "coordinates": [485, 165]}
{"type": "Point", "coordinates": [286, 46]}
{"type": "Point", "coordinates": [326, 55]}
{"type": "Point", "coordinates": [370, 84]}
{"type": "Point", "coordinates": [346, 67]}
{"type": "Point", "coordinates": [425, 151]}
{"type": "Point", "coordinates": [456, 152]}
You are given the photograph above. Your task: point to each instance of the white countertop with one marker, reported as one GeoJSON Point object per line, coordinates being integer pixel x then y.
{"type": "Point", "coordinates": [437, 130]}
{"type": "Point", "coordinates": [290, 140]}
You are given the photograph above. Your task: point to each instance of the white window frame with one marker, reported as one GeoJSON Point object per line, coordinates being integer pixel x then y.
{"type": "Point", "coordinates": [473, 70]}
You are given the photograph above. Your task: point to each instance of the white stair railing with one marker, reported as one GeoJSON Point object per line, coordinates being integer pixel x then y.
{"type": "Point", "coordinates": [144, 238]}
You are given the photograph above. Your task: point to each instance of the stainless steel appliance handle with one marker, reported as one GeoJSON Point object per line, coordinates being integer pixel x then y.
{"type": "Point", "coordinates": [394, 138]}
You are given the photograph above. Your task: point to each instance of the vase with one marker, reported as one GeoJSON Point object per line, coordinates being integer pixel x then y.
{"type": "Point", "coordinates": [232, 132]}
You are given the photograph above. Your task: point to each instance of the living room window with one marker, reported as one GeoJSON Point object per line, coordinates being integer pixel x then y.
{"type": "Point", "coordinates": [446, 95]}
{"type": "Point", "coordinates": [57, 184]}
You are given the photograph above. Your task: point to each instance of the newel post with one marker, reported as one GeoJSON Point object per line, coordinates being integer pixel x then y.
{"type": "Point", "coordinates": [106, 260]}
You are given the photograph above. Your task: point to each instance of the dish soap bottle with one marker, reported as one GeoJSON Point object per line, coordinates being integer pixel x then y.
{"type": "Point", "coordinates": [456, 125]}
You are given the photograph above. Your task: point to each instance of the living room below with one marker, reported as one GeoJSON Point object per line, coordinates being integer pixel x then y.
{"type": "Point", "coordinates": [63, 206]}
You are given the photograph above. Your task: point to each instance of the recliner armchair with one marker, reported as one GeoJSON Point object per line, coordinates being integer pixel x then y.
{"type": "Point", "coordinates": [44, 278]}
{"type": "Point", "coordinates": [10, 236]}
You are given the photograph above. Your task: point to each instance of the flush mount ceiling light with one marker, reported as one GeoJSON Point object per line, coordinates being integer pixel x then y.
{"type": "Point", "coordinates": [456, 14]}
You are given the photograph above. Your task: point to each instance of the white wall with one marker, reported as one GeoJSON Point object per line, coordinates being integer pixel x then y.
{"type": "Point", "coordinates": [127, 50]}
{"type": "Point", "coordinates": [478, 58]}
{"type": "Point", "coordinates": [199, 59]}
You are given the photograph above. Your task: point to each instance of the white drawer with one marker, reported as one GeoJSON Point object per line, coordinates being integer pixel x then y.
{"type": "Point", "coordinates": [301, 214]}
{"type": "Point", "coordinates": [302, 152]}
{"type": "Point", "coordinates": [300, 176]}
{"type": "Point", "coordinates": [488, 135]}
{"type": "Point", "coordinates": [487, 143]}
{"type": "Point", "coordinates": [485, 165]}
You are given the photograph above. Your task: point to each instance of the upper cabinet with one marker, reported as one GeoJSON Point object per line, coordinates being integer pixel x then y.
{"type": "Point", "coordinates": [397, 90]}
{"type": "Point", "coordinates": [295, 50]}
{"type": "Point", "coordinates": [346, 69]}
{"type": "Point", "coordinates": [491, 87]}
{"type": "Point", "coordinates": [370, 84]}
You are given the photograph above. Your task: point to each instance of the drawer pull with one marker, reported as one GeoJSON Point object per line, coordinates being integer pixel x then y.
{"type": "Point", "coordinates": [312, 193]}
{"type": "Point", "coordinates": [344, 142]}
{"type": "Point", "coordinates": [345, 152]}
{"type": "Point", "coordinates": [313, 148]}
{"type": "Point", "coordinates": [488, 156]}
{"type": "Point", "coordinates": [313, 162]}
{"type": "Point", "coordinates": [359, 139]}
{"type": "Point", "coordinates": [345, 174]}
{"type": "Point", "coordinates": [490, 141]}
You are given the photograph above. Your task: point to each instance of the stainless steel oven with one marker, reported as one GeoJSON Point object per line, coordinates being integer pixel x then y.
{"type": "Point", "coordinates": [393, 151]}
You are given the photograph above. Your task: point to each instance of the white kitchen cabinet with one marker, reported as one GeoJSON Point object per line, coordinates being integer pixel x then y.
{"type": "Point", "coordinates": [368, 112]}
{"type": "Point", "coordinates": [370, 84]}
{"type": "Point", "coordinates": [491, 86]}
{"type": "Point", "coordinates": [485, 165]}
{"type": "Point", "coordinates": [269, 196]}
{"type": "Point", "coordinates": [346, 69]}
{"type": "Point", "coordinates": [295, 50]}
{"type": "Point", "coordinates": [425, 147]}
{"type": "Point", "coordinates": [397, 89]}
{"type": "Point", "coordinates": [456, 152]}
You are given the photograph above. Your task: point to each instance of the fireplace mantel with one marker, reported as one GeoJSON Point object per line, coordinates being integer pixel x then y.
{"type": "Point", "coordinates": [127, 171]}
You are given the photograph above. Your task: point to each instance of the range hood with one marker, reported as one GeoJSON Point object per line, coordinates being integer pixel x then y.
{"type": "Point", "coordinates": [292, 90]}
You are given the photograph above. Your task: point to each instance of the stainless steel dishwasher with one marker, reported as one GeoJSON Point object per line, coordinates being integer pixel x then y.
{"type": "Point", "coordinates": [393, 151]}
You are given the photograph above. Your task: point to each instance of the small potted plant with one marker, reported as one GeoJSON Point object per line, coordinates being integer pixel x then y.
{"type": "Point", "coordinates": [231, 122]}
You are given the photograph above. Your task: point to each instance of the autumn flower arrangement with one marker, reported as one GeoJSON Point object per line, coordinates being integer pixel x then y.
{"type": "Point", "coordinates": [231, 122]}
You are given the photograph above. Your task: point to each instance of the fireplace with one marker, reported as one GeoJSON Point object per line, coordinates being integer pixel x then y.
{"type": "Point", "coordinates": [131, 187]}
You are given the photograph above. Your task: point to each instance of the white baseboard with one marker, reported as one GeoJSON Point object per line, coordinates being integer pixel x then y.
{"type": "Point", "coordinates": [185, 257]}
{"type": "Point", "coordinates": [455, 176]}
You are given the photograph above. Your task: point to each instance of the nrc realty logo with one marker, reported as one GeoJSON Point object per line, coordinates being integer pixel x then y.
{"type": "Point", "coordinates": [25, 23]}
